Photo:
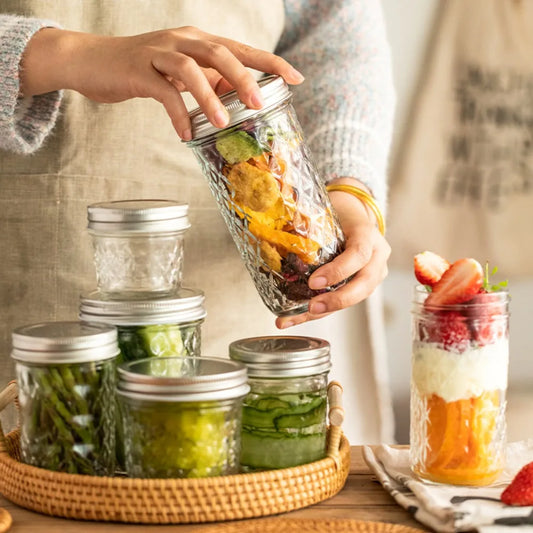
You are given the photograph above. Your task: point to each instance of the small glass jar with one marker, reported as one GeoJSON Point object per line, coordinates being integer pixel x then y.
{"type": "Point", "coordinates": [66, 378]}
{"type": "Point", "coordinates": [166, 326]}
{"type": "Point", "coordinates": [459, 365]}
{"type": "Point", "coordinates": [138, 246]}
{"type": "Point", "coordinates": [284, 420]}
{"type": "Point", "coordinates": [273, 201]}
{"type": "Point", "coordinates": [181, 416]}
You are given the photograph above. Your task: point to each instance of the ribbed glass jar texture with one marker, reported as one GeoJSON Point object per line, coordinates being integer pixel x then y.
{"type": "Point", "coordinates": [67, 409]}
{"type": "Point", "coordinates": [459, 365]}
{"type": "Point", "coordinates": [284, 422]}
{"type": "Point", "coordinates": [138, 246]}
{"type": "Point", "coordinates": [274, 203]}
{"type": "Point", "coordinates": [184, 440]}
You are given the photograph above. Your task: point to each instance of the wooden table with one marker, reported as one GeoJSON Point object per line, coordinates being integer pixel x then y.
{"type": "Point", "coordinates": [362, 498]}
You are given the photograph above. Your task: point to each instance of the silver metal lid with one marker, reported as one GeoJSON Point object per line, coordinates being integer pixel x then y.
{"type": "Point", "coordinates": [183, 379]}
{"type": "Point", "coordinates": [138, 216]}
{"type": "Point", "coordinates": [282, 356]}
{"type": "Point", "coordinates": [185, 305]}
{"type": "Point", "coordinates": [64, 342]}
{"type": "Point", "coordinates": [274, 91]}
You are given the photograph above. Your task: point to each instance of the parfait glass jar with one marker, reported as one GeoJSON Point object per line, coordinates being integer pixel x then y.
{"type": "Point", "coordinates": [285, 413]}
{"type": "Point", "coordinates": [459, 365]}
{"type": "Point", "coordinates": [66, 378]}
{"type": "Point", "coordinates": [274, 203]}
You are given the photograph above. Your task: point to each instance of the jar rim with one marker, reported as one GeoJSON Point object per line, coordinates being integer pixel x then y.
{"type": "Point", "coordinates": [274, 90]}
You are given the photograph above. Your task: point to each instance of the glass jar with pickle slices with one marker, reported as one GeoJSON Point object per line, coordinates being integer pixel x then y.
{"type": "Point", "coordinates": [284, 420]}
{"type": "Point", "coordinates": [66, 378]}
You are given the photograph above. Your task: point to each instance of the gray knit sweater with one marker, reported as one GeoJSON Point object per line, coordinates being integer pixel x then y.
{"type": "Point", "coordinates": [345, 105]}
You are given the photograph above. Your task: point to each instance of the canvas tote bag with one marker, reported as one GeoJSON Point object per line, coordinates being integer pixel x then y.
{"type": "Point", "coordinates": [462, 181]}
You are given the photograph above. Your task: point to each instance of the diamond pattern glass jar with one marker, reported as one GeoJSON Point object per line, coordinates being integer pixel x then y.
{"type": "Point", "coordinates": [459, 380]}
{"type": "Point", "coordinates": [66, 378]}
{"type": "Point", "coordinates": [138, 246]}
{"type": "Point", "coordinates": [274, 203]}
{"type": "Point", "coordinates": [182, 416]}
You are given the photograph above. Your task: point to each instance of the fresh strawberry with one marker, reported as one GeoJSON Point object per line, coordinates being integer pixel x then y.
{"type": "Point", "coordinates": [520, 490]}
{"type": "Point", "coordinates": [429, 267]}
{"type": "Point", "coordinates": [458, 284]}
{"type": "Point", "coordinates": [486, 313]}
{"type": "Point", "coordinates": [448, 328]}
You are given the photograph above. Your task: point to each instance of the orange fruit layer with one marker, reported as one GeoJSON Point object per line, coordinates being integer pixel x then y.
{"type": "Point", "coordinates": [459, 439]}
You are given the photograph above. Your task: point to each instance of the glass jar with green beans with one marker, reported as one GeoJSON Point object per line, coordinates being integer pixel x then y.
{"type": "Point", "coordinates": [284, 421]}
{"type": "Point", "coordinates": [66, 377]}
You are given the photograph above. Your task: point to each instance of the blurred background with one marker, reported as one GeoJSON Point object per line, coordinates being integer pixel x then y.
{"type": "Point", "coordinates": [411, 25]}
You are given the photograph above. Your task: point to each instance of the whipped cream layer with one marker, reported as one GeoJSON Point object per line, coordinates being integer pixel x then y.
{"type": "Point", "coordinates": [455, 376]}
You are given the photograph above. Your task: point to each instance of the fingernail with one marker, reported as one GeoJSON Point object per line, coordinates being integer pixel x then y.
{"type": "Point", "coordinates": [186, 135]}
{"type": "Point", "coordinates": [317, 308]}
{"type": "Point", "coordinates": [297, 75]}
{"type": "Point", "coordinates": [257, 99]}
{"type": "Point", "coordinates": [318, 283]}
{"type": "Point", "coordinates": [221, 118]}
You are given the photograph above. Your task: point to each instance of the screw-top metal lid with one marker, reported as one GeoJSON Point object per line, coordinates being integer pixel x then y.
{"type": "Point", "coordinates": [183, 379]}
{"type": "Point", "coordinates": [64, 342]}
{"type": "Point", "coordinates": [185, 305]}
{"type": "Point", "coordinates": [274, 91]}
{"type": "Point", "coordinates": [138, 216]}
{"type": "Point", "coordinates": [282, 356]}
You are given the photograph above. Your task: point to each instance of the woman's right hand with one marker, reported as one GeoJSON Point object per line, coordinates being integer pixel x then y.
{"type": "Point", "coordinates": [159, 65]}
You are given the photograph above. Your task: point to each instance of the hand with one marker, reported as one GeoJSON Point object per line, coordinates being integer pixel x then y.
{"type": "Point", "coordinates": [157, 65]}
{"type": "Point", "coordinates": [366, 255]}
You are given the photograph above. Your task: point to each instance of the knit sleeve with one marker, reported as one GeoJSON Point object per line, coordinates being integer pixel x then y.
{"type": "Point", "coordinates": [24, 122]}
{"type": "Point", "coordinates": [346, 104]}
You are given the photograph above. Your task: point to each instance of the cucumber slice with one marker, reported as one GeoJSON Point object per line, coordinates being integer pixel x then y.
{"type": "Point", "coordinates": [161, 341]}
{"type": "Point", "coordinates": [237, 147]}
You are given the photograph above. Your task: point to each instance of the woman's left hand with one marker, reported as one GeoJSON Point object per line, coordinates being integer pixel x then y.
{"type": "Point", "coordinates": [366, 255]}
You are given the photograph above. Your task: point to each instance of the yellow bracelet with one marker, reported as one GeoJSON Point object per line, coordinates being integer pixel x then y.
{"type": "Point", "coordinates": [364, 197]}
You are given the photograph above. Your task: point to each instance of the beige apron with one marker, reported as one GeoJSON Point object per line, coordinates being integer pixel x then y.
{"type": "Point", "coordinates": [103, 152]}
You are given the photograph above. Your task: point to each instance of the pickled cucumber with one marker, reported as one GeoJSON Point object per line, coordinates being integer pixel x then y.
{"type": "Point", "coordinates": [283, 431]}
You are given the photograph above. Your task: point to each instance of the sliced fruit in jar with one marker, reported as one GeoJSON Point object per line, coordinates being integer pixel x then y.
{"type": "Point", "coordinates": [458, 284]}
{"type": "Point", "coordinates": [429, 267]}
{"type": "Point", "coordinates": [238, 146]}
{"type": "Point", "coordinates": [448, 328]}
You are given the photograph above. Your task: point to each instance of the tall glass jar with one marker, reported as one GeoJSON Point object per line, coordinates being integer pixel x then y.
{"type": "Point", "coordinates": [460, 356]}
{"type": "Point", "coordinates": [274, 203]}
{"type": "Point", "coordinates": [182, 417]}
{"type": "Point", "coordinates": [285, 414]}
{"type": "Point", "coordinates": [138, 246]}
{"type": "Point", "coordinates": [164, 326]}
{"type": "Point", "coordinates": [66, 378]}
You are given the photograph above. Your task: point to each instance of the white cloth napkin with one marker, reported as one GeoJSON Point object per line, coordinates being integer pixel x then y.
{"type": "Point", "coordinates": [453, 508]}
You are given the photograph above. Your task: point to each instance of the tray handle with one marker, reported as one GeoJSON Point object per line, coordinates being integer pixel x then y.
{"type": "Point", "coordinates": [336, 418]}
{"type": "Point", "coordinates": [8, 395]}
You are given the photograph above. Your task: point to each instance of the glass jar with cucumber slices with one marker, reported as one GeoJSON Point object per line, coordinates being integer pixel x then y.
{"type": "Point", "coordinates": [284, 419]}
{"type": "Point", "coordinates": [182, 416]}
{"type": "Point", "coordinates": [168, 326]}
{"type": "Point", "coordinates": [269, 192]}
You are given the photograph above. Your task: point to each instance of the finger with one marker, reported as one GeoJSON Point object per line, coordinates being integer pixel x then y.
{"type": "Point", "coordinates": [211, 54]}
{"type": "Point", "coordinates": [357, 289]}
{"type": "Point", "coordinates": [289, 321]}
{"type": "Point", "coordinates": [184, 68]}
{"type": "Point", "coordinates": [358, 252]}
{"type": "Point", "coordinates": [166, 93]}
{"type": "Point", "coordinates": [262, 60]}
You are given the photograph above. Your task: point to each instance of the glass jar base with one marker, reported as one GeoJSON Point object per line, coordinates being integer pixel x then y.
{"type": "Point", "coordinates": [298, 310]}
{"type": "Point", "coordinates": [458, 478]}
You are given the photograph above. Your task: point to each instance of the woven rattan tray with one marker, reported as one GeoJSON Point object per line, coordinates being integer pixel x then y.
{"type": "Point", "coordinates": [173, 501]}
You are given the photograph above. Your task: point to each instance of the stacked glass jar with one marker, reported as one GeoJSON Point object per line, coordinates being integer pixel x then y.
{"type": "Point", "coordinates": [138, 254]}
